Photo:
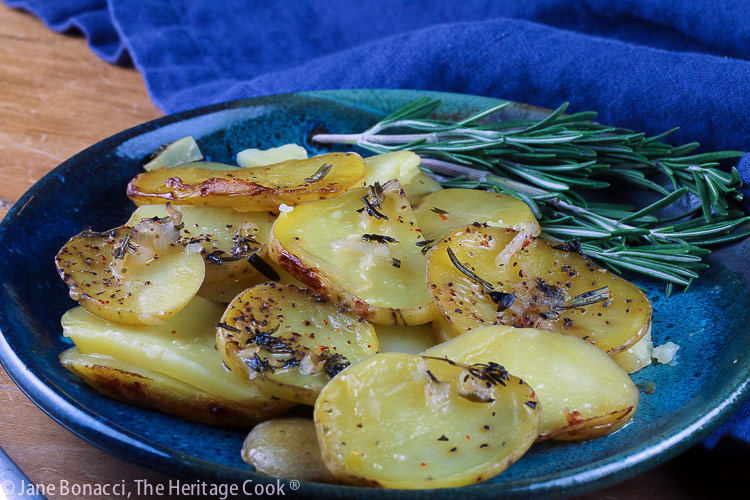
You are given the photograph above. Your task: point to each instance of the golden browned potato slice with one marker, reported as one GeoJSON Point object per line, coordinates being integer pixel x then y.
{"type": "Point", "coordinates": [251, 189]}
{"type": "Point", "coordinates": [132, 275]}
{"type": "Point", "coordinates": [636, 356]}
{"type": "Point", "coordinates": [286, 447]}
{"type": "Point", "coordinates": [441, 212]}
{"type": "Point", "coordinates": [400, 421]}
{"type": "Point", "coordinates": [401, 165]}
{"type": "Point", "coordinates": [362, 250]}
{"type": "Point", "coordinates": [419, 187]}
{"type": "Point", "coordinates": [482, 275]}
{"type": "Point", "coordinates": [408, 339]}
{"type": "Point", "coordinates": [151, 389]}
{"type": "Point", "coordinates": [234, 245]}
{"type": "Point", "coordinates": [584, 394]}
{"type": "Point", "coordinates": [289, 342]}
{"type": "Point", "coordinates": [184, 348]}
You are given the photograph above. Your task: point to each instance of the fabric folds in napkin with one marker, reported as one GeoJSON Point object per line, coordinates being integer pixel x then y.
{"type": "Point", "coordinates": [648, 65]}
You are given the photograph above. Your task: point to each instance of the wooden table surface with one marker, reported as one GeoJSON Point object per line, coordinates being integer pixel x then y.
{"type": "Point", "coordinates": [57, 98]}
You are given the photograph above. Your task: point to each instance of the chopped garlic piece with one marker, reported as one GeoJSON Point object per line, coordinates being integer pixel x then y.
{"type": "Point", "coordinates": [665, 353]}
{"type": "Point", "coordinates": [526, 232]}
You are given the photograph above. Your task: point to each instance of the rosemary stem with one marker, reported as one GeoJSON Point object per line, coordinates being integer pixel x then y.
{"type": "Point", "coordinates": [447, 168]}
{"type": "Point", "coordinates": [443, 167]}
{"type": "Point", "coordinates": [373, 138]}
{"type": "Point", "coordinates": [553, 162]}
{"type": "Point", "coordinates": [337, 138]}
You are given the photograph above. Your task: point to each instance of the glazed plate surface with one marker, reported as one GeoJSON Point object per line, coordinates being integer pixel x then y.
{"type": "Point", "coordinates": [710, 322]}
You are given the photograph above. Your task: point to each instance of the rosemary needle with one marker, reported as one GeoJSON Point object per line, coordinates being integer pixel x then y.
{"type": "Point", "coordinates": [553, 165]}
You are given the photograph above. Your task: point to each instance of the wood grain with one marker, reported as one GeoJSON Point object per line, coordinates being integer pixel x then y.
{"type": "Point", "coordinates": [56, 98]}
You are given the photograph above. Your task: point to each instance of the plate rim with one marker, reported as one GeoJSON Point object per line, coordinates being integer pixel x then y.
{"type": "Point", "coordinates": [118, 442]}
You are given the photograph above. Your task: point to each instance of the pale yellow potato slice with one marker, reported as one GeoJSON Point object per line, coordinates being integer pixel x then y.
{"type": "Point", "coordinates": [419, 187]}
{"type": "Point", "coordinates": [252, 157]}
{"type": "Point", "coordinates": [636, 356]}
{"type": "Point", "coordinates": [441, 212]}
{"type": "Point", "coordinates": [442, 330]}
{"type": "Point", "coordinates": [583, 393]}
{"type": "Point", "coordinates": [288, 448]}
{"type": "Point", "coordinates": [184, 348]}
{"type": "Point", "coordinates": [401, 165]}
{"type": "Point", "coordinates": [179, 152]}
{"type": "Point", "coordinates": [400, 421]}
{"type": "Point", "coordinates": [129, 275]}
{"type": "Point", "coordinates": [233, 244]}
{"type": "Point", "coordinates": [289, 342]}
{"type": "Point", "coordinates": [251, 189]}
{"type": "Point", "coordinates": [533, 285]}
{"type": "Point", "coordinates": [151, 389]}
{"type": "Point", "coordinates": [408, 339]}
{"type": "Point", "coordinates": [368, 260]}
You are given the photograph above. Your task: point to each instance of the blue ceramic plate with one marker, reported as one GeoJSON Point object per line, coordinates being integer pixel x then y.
{"type": "Point", "coordinates": [702, 387]}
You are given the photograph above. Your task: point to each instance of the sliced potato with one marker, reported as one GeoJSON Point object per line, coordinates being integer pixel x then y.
{"type": "Point", "coordinates": [408, 339]}
{"type": "Point", "coordinates": [288, 448]}
{"type": "Point", "coordinates": [400, 421]}
{"type": "Point", "coordinates": [181, 151]}
{"type": "Point", "coordinates": [289, 342]}
{"type": "Point", "coordinates": [366, 258]}
{"type": "Point", "coordinates": [131, 275]}
{"type": "Point", "coordinates": [584, 394]}
{"type": "Point", "coordinates": [442, 330]}
{"type": "Point", "coordinates": [184, 348]}
{"type": "Point", "coordinates": [251, 189]}
{"type": "Point", "coordinates": [232, 243]}
{"type": "Point", "coordinates": [251, 157]}
{"type": "Point", "coordinates": [419, 187]}
{"type": "Point", "coordinates": [151, 389]}
{"type": "Point", "coordinates": [636, 356]}
{"type": "Point", "coordinates": [401, 165]}
{"type": "Point", "coordinates": [441, 212]}
{"type": "Point", "coordinates": [533, 284]}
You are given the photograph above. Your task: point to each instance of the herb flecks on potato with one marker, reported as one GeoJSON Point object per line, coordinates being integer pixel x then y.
{"type": "Point", "coordinates": [401, 421]}
{"type": "Point", "coordinates": [233, 244]}
{"type": "Point", "coordinates": [481, 275]}
{"type": "Point", "coordinates": [289, 342]}
{"type": "Point", "coordinates": [251, 189]}
{"type": "Point", "coordinates": [362, 250]}
{"type": "Point", "coordinates": [138, 275]}
{"type": "Point", "coordinates": [441, 212]}
{"type": "Point", "coordinates": [583, 392]}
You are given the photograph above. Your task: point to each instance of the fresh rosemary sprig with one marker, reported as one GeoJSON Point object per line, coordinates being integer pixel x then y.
{"type": "Point", "coordinates": [556, 163]}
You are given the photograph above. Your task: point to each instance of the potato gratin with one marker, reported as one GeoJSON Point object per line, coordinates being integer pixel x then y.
{"type": "Point", "coordinates": [433, 331]}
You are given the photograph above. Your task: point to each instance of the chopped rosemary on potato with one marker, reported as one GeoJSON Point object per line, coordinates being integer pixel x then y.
{"type": "Point", "coordinates": [319, 174]}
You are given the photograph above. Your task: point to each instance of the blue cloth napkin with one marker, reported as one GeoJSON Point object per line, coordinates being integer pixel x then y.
{"type": "Point", "coordinates": [643, 64]}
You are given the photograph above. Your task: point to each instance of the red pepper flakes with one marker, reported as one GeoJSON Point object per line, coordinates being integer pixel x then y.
{"type": "Point", "coordinates": [443, 216]}
{"type": "Point", "coordinates": [423, 464]}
